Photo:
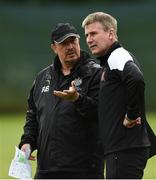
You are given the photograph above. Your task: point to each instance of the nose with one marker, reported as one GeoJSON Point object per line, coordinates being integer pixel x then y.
{"type": "Point", "coordinates": [89, 39]}
{"type": "Point", "coordinates": [70, 45]}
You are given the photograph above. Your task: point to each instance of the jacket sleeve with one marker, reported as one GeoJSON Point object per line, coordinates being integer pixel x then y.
{"type": "Point", "coordinates": [31, 126]}
{"type": "Point", "coordinates": [135, 86]}
{"type": "Point", "coordinates": [87, 104]}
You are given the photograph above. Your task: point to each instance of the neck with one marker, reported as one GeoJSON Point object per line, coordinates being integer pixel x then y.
{"type": "Point", "coordinates": [67, 66]}
{"type": "Point", "coordinates": [66, 69]}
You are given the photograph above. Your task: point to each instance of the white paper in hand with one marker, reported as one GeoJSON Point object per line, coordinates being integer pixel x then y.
{"type": "Point", "coordinates": [20, 166]}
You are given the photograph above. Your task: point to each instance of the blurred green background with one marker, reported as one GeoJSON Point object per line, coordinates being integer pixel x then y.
{"type": "Point", "coordinates": [25, 28]}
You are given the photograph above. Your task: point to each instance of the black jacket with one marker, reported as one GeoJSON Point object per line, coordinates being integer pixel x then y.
{"type": "Point", "coordinates": [63, 132]}
{"type": "Point", "coordinates": [121, 92]}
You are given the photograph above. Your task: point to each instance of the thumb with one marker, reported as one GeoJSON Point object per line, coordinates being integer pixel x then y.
{"type": "Point", "coordinates": [73, 84]}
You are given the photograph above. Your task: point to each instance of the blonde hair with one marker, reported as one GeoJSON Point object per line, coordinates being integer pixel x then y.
{"type": "Point", "coordinates": [105, 19]}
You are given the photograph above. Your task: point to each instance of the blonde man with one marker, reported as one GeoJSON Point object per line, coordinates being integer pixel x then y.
{"type": "Point", "coordinates": [122, 118]}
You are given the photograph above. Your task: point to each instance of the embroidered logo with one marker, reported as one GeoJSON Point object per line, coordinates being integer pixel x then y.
{"type": "Point", "coordinates": [45, 88]}
{"type": "Point", "coordinates": [78, 82]}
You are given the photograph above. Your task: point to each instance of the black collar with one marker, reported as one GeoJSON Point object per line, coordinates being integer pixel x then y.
{"type": "Point", "coordinates": [103, 59]}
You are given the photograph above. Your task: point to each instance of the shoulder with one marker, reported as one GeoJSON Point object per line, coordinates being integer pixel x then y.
{"type": "Point", "coordinates": [88, 61]}
{"type": "Point", "coordinates": [45, 70]}
{"type": "Point", "coordinates": [118, 58]}
{"type": "Point", "coordinates": [42, 76]}
{"type": "Point", "coordinates": [44, 73]}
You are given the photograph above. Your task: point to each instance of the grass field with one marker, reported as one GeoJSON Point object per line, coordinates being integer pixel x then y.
{"type": "Point", "coordinates": [11, 130]}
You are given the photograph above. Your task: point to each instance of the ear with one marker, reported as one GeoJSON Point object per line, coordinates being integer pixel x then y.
{"type": "Point", "coordinates": [111, 33]}
{"type": "Point", "coordinates": [53, 47]}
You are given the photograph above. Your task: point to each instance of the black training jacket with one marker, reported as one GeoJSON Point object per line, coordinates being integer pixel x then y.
{"type": "Point", "coordinates": [64, 132]}
{"type": "Point", "coordinates": [121, 92]}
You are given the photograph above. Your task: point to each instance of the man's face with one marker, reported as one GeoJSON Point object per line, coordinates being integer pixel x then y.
{"type": "Point", "coordinates": [97, 39]}
{"type": "Point", "coordinates": [68, 51]}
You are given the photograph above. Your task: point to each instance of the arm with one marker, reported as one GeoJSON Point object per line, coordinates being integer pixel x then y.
{"type": "Point", "coordinates": [31, 126]}
{"type": "Point", "coordinates": [134, 84]}
{"type": "Point", "coordinates": [87, 104]}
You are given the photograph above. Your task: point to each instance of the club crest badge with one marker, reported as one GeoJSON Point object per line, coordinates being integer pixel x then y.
{"type": "Point", "coordinates": [78, 82]}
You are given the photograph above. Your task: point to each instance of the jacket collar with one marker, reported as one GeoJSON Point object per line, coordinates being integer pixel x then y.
{"type": "Point", "coordinates": [103, 59]}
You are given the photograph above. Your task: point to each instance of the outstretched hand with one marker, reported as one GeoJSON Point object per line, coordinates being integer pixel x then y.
{"type": "Point", "coordinates": [70, 94]}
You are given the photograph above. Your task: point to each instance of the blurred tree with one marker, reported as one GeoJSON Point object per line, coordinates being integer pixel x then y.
{"type": "Point", "coordinates": [25, 40]}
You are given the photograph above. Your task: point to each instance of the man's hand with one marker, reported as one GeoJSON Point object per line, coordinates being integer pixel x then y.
{"type": "Point", "coordinates": [70, 94]}
{"type": "Point", "coordinates": [131, 123]}
{"type": "Point", "coordinates": [27, 149]}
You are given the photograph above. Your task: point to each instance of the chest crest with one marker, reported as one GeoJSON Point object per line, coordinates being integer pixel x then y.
{"type": "Point", "coordinates": [78, 82]}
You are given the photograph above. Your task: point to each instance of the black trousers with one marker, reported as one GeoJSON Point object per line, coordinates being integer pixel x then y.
{"type": "Point", "coordinates": [69, 175]}
{"type": "Point", "coordinates": [127, 164]}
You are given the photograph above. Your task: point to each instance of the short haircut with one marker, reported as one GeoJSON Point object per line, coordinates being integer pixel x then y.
{"type": "Point", "coordinates": [105, 19]}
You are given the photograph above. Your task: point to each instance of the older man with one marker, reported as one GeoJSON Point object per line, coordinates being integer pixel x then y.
{"type": "Point", "coordinates": [61, 121]}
